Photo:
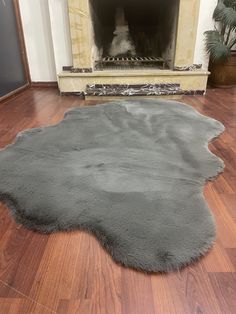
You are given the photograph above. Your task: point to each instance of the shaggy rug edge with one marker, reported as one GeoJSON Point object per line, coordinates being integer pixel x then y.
{"type": "Point", "coordinates": [20, 218]}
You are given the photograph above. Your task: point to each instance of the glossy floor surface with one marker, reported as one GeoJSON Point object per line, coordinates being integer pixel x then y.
{"type": "Point", "coordinates": [71, 273]}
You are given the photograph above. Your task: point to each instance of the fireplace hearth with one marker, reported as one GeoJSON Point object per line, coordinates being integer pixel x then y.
{"type": "Point", "coordinates": [133, 43]}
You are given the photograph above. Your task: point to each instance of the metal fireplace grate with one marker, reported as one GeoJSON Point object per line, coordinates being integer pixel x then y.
{"type": "Point", "coordinates": [130, 62]}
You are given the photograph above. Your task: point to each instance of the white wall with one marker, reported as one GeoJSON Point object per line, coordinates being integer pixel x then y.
{"type": "Point", "coordinates": [46, 30]}
{"type": "Point", "coordinates": [38, 39]}
{"type": "Point", "coordinates": [205, 22]}
{"type": "Point", "coordinates": [60, 30]}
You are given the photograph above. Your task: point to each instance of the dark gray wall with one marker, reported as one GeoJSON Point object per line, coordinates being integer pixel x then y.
{"type": "Point", "coordinates": [12, 74]}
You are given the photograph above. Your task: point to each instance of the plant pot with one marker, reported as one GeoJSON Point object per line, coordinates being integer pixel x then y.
{"type": "Point", "coordinates": [223, 74]}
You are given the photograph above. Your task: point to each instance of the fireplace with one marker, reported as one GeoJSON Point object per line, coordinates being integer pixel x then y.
{"type": "Point", "coordinates": [133, 48]}
{"type": "Point", "coordinates": [134, 34]}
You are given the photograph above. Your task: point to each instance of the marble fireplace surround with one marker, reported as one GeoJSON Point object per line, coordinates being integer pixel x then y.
{"type": "Point", "coordinates": [83, 54]}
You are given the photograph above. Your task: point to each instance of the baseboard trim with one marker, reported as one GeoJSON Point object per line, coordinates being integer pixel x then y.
{"type": "Point", "coordinates": [14, 92]}
{"type": "Point", "coordinates": [44, 84]}
{"type": "Point", "coordinates": [28, 85]}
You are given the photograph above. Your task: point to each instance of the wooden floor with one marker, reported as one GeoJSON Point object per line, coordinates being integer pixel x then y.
{"type": "Point", "coordinates": [71, 273]}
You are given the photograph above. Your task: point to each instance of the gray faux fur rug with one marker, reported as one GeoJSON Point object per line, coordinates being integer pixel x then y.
{"type": "Point", "coordinates": [132, 173]}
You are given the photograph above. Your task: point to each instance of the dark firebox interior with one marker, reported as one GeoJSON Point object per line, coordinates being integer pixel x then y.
{"type": "Point", "coordinates": [151, 24]}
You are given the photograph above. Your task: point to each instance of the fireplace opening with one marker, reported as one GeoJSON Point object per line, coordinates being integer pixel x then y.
{"type": "Point", "coordinates": [134, 33]}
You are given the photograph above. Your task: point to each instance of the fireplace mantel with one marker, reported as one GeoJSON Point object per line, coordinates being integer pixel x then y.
{"type": "Point", "coordinates": [83, 51]}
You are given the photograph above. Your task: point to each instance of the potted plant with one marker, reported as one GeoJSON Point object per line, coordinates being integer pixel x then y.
{"type": "Point", "coordinates": [219, 44]}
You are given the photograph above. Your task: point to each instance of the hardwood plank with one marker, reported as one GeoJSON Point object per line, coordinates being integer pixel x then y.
{"type": "Point", "coordinates": [72, 275]}
{"type": "Point", "coordinates": [232, 256]}
{"type": "Point", "coordinates": [225, 290]}
{"type": "Point", "coordinates": [218, 260]}
{"type": "Point", "coordinates": [20, 303]}
{"type": "Point", "coordinates": [226, 227]}
{"type": "Point", "coordinates": [74, 306]}
{"type": "Point", "coordinates": [166, 300]}
{"type": "Point", "coordinates": [14, 265]}
{"type": "Point", "coordinates": [189, 291]}
{"type": "Point", "coordinates": [136, 293]}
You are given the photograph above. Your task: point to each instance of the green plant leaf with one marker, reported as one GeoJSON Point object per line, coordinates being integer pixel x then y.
{"type": "Point", "coordinates": [229, 17]}
{"type": "Point", "coordinates": [230, 3]}
{"type": "Point", "coordinates": [215, 46]}
{"type": "Point", "coordinates": [218, 11]}
{"type": "Point", "coordinates": [232, 42]}
{"type": "Point", "coordinates": [225, 14]}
